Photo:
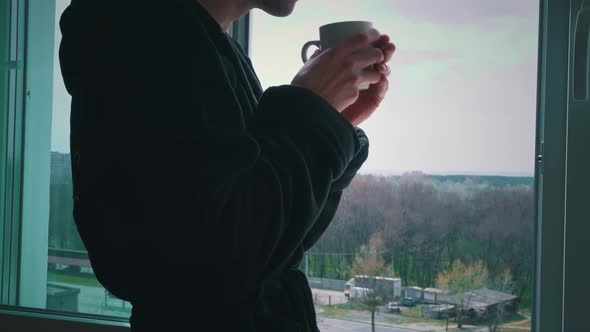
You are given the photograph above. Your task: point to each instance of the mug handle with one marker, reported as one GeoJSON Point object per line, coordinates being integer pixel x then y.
{"type": "Point", "coordinates": [315, 43]}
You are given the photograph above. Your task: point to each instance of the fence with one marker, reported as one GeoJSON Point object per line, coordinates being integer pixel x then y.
{"type": "Point", "coordinates": [320, 298]}
{"type": "Point", "coordinates": [329, 284]}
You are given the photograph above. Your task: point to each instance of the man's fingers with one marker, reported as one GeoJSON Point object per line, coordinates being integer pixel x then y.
{"type": "Point", "coordinates": [385, 44]}
{"type": "Point", "coordinates": [378, 90]}
{"type": "Point", "coordinates": [388, 51]}
{"type": "Point", "coordinates": [383, 69]}
{"type": "Point", "coordinates": [367, 58]}
{"type": "Point", "coordinates": [360, 41]}
{"type": "Point", "coordinates": [369, 76]}
{"type": "Point", "coordinates": [315, 54]}
{"type": "Point", "coordinates": [382, 41]}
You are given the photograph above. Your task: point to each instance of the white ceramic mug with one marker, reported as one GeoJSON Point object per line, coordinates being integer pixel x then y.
{"type": "Point", "coordinates": [331, 35]}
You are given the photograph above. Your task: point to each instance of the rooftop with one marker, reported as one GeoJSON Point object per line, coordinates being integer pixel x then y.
{"type": "Point", "coordinates": [435, 290]}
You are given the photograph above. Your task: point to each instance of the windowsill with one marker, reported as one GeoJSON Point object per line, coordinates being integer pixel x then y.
{"type": "Point", "coordinates": [24, 319]}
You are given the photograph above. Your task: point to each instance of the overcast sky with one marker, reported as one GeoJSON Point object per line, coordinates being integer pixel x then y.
{"type": "Point", "coordinates": [463, 84]}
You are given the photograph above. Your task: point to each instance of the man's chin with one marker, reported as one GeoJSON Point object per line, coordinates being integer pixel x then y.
{"type": "Point", "coordinates": [278, 8]}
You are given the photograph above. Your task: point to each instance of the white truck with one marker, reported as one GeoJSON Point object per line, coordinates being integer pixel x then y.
{"type": "Point", "coordinates": [360, 285]}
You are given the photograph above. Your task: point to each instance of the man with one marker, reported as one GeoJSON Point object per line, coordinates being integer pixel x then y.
{"type": "Point", "coordinates": [196, 193]}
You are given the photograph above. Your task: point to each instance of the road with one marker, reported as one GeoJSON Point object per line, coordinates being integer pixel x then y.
{"type": "Point", "coordinates": [92, 301]}
{"type": "Point", "coordinates": [336, 325]}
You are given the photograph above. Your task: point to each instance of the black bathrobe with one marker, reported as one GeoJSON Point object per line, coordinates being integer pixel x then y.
{"type": "Point", "coordinates": [196, 193]}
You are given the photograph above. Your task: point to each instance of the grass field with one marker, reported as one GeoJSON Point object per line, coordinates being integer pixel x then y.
{"type": "Point", "coordinates": [53, 276]}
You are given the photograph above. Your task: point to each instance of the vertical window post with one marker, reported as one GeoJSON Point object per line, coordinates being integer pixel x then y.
{"type": "Point", "coordinates": [11, 125]}
{"type": "Point", "coordinates": [551, 131]}
{"type": "Point", "coordinates": [36, 168]}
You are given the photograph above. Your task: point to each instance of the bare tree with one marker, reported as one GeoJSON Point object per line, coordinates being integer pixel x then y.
{"type": "Point", "coordinates": [460, 280]}
{"type": "Point", "coordinates": [371, 299]}
{"type": "Point", "coordinates": [503, 283]}
{"type": "Point", "coordinates": [370, 263]}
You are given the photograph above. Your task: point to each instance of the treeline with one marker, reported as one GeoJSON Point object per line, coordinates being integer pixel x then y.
{"type": "Point", "coordinates": [425, 223]}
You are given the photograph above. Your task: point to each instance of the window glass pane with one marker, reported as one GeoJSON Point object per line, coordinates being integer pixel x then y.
{"type": "Point", "coordinates": [4, 35]}
{"type": "Point", "coordinates": [447, 191]}
{"type": "Point", "coordinates": [4, 38]}
{"type": "Point", "coordinates": [71, 285]}
{"type": "Point", "coordinates": [10, 122]}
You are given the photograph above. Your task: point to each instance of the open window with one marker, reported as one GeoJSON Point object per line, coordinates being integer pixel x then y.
{"type": "Point", "coordinates": [447, 193]}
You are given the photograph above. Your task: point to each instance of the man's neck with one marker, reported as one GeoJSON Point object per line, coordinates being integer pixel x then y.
{"type": "Point", "coordinates": [226, 11]}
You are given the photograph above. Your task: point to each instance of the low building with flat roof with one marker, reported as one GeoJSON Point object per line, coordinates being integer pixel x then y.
{"type": "Point", "coordinates": [482, 304]}
{"type": "Point", "coordinates": [434, 295]}
{"type": "Point", "coordinates": [413, 292]}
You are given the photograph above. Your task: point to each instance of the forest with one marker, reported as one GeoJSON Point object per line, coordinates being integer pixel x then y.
{"type": "Point", "coordinates": [418, 225]}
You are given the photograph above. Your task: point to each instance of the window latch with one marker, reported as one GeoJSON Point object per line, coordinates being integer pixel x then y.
{"type": "Point", "coordinates": [540, 157]}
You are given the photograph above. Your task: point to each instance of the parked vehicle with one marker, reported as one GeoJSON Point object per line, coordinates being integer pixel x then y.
{"type": "Point", "coordinates": [393, 307]}
{"type": "Point", "coordinates": [358, 293]}
{"type": "Point", "coordinates": [392, 287]}
{"type": "Point", "coordinates": [408, 302]}
{"type": "Point", "coordinates": [347, 288]}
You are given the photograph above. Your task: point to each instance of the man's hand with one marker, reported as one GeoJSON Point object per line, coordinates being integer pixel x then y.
{"type": "Point", "coordinates": [336, 73]}
{"type": "Point", "coordinates": [369, 100]}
